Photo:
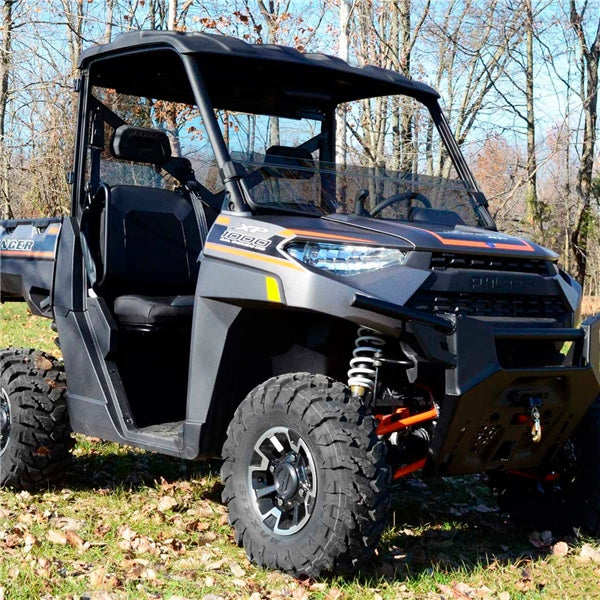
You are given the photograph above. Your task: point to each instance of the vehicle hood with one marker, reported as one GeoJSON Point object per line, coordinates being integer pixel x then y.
{"type": "Point", "coordinates": [441, 238]}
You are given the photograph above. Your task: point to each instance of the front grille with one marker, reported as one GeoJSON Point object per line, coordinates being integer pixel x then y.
{"type": "Point", "coordinates": [481, 305]}
{"type": "Point", "coordinates": [449, 260]}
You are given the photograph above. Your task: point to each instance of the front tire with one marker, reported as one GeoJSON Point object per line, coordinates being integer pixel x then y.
{"type": "Point", "coordinates": [566, 494]}
{"type": "Point", "coordinates": [35, 436]}
{"type": "Point", "coordinates": [305, 476]}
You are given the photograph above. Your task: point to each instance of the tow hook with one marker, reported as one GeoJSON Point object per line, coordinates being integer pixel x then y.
{"type": "Point", "coordinates": [536, 425]}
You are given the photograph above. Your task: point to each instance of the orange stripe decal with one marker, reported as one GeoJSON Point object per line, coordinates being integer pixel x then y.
{"type": "Point", "coordinates": [223, 220]}
{"type": "Point", "coordinates": [322, 235]}
{"type": "Point", "coordinates": [524, 246]}
{"type": "Point", "coordinates": [252, 255]}
{"type": "Point", "coordinates": [53, 230]}
{"type": "Point", "coordinates": [28, 253]}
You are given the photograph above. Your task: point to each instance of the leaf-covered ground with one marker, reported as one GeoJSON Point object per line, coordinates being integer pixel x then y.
{"type": "Point", "coordinates": [132, 524]}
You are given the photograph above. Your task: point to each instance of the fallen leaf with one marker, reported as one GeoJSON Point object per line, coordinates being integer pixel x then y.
{"type": "Point", "coordinates": [101, 595]}
{"type": "Point", "coordinates": [101, 529]}
{"type": "Point", "coordinates": [334, 594]}
{"type": "Point", "coordinates": [317, 587]}
{"type": "Point", "coordinates": [60, 385]}
{"type": "Point", "coordinates": [167, 503]}
{"type": "Point", "coordinates": [126, 533]}
{"type": "Point", "coordinates": [44, 568]}
{"type": "Point", "coordinates": [41, 362]}
{"type": "Point", "coordinates": [25, 518]}
{"type": "Point", "coordinates": [29, 542]}
{"type": "Point", "coordinates": [525, 585]}
{"type": "Point", "coordinates": [215, 565]}
{"type": "Point", "coordinates": [300, 594]}
{"type": "Point", "coordinates": [97, 576]}
{"type": "Point", "coordinates": [588, 552]}
{"type": "Point", "coordinates": [452, 591]}
{"type": "Point", "coordinates": [56, 537]}
{"type": "Point", "coordinates": [68, 524]}
{"type": "Point", "coordinates": [197, 525]}
{"type": "Point", "coordinates": [207, 537]}
{"type": "Point", "coordinates": [560, 549]}
{"type": "Point", "coordinates": [74, 540]}
{"type": "Point", "coordinates": [144, 545]}
{"type": "Point", "coordinates": [236, 570]}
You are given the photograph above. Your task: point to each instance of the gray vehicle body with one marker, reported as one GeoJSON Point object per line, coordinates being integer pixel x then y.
{"type": "Point", "coordinates": [472, 304]}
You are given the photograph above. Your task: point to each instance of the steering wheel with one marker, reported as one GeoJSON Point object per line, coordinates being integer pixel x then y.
{"type": "Point", "coordinates": [400, 197]}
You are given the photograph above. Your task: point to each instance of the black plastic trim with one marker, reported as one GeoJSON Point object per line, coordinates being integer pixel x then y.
{"type": "Point", "coordinates": [402, 313]}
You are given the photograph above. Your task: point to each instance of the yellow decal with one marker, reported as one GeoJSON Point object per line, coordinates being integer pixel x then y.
{"type": "Point", "coordinates": [273, 294]}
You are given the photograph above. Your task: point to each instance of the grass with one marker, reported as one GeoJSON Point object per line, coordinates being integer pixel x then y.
{"type": "Point", "coordinates": [133, 524]}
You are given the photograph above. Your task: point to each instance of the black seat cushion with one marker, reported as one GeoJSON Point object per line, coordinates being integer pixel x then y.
{"type": "Point", "coordinates": [154, 311]}
{"type": "Point", "coordinates": [151, 243]}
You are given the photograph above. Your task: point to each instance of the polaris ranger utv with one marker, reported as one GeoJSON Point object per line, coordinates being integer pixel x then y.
{"type": "Point", "coordinates": [224, 288]}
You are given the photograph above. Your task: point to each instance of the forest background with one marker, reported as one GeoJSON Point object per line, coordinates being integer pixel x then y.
{"type": "Point", "coordinates": [518, 81]}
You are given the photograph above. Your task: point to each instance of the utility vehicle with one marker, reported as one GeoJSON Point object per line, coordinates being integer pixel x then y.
{"type": "Point", "coordinates": [231, 283]}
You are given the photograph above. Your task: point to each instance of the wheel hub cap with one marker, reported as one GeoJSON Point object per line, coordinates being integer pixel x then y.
{"type": "Point", "coordinates": [286, 480]}
{"type": "Point", "coordinates": [282, 481]}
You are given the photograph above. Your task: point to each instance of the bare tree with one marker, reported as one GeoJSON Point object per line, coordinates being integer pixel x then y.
{"type": "Point", "coordinates": [344, 12]}
{"type": "Point", "coordinates": [5, 68]}
{"type": "Point", "coordinates": [589, 57]}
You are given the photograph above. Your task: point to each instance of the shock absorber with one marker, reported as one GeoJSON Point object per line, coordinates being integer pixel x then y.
{"type": "Point", "coordinates": [362, 375]}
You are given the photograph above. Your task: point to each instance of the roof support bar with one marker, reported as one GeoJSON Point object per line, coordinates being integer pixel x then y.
{"type": "Point", "coordinates": [226, 166]}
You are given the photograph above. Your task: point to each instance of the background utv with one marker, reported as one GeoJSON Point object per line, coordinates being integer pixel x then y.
{"type": "Point", "coordinates": [224, 288]}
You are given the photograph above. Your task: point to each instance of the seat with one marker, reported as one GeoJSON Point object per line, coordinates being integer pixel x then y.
{"type": "Point", "coordinates": [149, 312]}
{"type": "Point", "coordinates": [149, 256]}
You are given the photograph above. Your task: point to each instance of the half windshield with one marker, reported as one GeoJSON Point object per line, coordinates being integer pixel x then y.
{"type": "Point", "coordinates": [392, 164]}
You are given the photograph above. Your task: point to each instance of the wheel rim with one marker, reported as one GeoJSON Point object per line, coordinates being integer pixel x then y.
{"type": "Point", "coordinates": [282, 481]}
{"type": "Point", "coordinates": [4, 419]}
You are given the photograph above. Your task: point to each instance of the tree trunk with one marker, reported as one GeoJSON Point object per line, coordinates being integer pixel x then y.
{"type": "Point", "coordinates": [5, 66]}
{"type": "Point", "coordinates": [340, 121]}
{"type": "Point", "coordinates": [109, 22]}
{"type": "Point", "coordinates": [590, 54]}
{"type": "Point", "coordinates": [405, 116]}
{"type": "Point", "coordinates": [535, 212]}
{"type": "Point", "coordinates": [172, 18]}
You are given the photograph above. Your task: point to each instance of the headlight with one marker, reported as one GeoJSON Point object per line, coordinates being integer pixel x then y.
{"type": "Point", "coordinates": [344, 259]}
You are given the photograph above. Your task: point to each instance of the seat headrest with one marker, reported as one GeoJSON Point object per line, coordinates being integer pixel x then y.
{"type": "Point", "coordinates": [289, 162]}
{"type": "Point", "coordinates": [141, 144]}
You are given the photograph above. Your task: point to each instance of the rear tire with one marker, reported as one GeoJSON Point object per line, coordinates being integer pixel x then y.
{"type": "Point", "coordinates": [572, 499]}
{"type": "Point", "coordinates": [35, 436]}
{"type": "Point", "coordinates": [305, 476]}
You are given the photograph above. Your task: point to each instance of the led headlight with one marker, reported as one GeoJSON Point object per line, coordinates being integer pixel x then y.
{"type": "Point", "coordinates": [345, 259]}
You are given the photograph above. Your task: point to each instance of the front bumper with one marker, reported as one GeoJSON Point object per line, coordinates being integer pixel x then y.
{"type": "Point", "coordinates": [484, 418]}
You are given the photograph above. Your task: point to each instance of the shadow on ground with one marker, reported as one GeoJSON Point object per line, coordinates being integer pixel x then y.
{"type": "Point", "coordinates": [129, 468]}
{"type": "Point", "coordinates": [444, 524]}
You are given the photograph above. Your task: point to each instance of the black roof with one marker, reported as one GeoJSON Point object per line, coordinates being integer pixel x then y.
{"type": "Point", "coordinates": [238, 75]}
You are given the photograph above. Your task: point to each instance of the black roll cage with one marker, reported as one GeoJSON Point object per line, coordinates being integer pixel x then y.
{"type": "Point", "coordinates": [237, 197]}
